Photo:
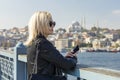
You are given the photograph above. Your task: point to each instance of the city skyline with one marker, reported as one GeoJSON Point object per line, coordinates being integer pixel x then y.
{"type": "Point", "coordinates": [104, 13]}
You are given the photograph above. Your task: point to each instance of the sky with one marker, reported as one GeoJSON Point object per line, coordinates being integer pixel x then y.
{"type": "Point", "coordinates": [101, 13]}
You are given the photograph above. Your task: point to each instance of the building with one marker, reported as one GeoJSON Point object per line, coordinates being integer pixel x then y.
{"type": "Point", "coordinates": [112, 36]}
{"type": "Point", "coordinates": [1, 40]}
{"type": "Point", "coordinates": [74, 27]}
{"type": "Point", "coordinates": [63, 43]}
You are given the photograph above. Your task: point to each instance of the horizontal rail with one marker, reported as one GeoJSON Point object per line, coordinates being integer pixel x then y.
{"type": "Point", "coordinates": [81, 71]}
{"type": "Point", "coordinates": [89, 73]}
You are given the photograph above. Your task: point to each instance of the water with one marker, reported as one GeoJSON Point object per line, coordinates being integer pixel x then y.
{"type": "Point", "coordinates": [99, 59]}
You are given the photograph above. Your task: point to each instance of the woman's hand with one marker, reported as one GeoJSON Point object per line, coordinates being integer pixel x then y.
{"type": "Point", "coordinates": [70, 54]}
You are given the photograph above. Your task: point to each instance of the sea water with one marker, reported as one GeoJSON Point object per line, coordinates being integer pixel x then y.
{"type": "Point", "coordinates": [106, 60]}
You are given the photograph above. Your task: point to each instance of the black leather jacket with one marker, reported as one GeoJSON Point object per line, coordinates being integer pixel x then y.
{"type": "Point", "coordinates": [49, 58]}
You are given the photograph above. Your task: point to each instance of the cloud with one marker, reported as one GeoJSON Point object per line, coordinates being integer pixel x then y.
{"type": "Point", "coordinates": [116, 12]}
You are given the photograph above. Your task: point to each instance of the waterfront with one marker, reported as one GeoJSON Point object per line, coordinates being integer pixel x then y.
{"type": "Point", "coordinates": [100, 60]}
{"type": "Point", "coordinates": [90, 59]}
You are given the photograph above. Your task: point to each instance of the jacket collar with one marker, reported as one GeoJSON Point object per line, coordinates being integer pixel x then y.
{"type": "Point", "coordinates": [40, 36]}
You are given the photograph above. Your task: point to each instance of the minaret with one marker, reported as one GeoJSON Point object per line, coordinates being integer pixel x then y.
{"type": "Point", "coordinates": [81, 23]}
{"type": "Point", "coordinates": [97, 26]}
{"type": "Point", "coordinates": [84, 22]}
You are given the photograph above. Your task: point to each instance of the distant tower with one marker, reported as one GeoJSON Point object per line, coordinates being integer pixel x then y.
{"type": "Point", "coordinates": [83, 22]}
{"type": "Point", "coordinates": [97, 26]}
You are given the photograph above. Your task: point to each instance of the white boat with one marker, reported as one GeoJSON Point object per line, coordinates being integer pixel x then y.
{"type": "Point", "coordinates": [83, 50]}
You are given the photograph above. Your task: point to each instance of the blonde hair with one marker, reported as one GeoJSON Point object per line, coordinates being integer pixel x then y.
{"type": "Point", "coordinates": [38, 24]}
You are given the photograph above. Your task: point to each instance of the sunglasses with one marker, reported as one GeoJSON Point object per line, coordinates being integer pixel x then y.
{"type": "Point", "coordinates": [52, 23]}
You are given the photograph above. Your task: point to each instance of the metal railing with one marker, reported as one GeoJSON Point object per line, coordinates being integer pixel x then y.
{"type": "Point", "coordinates": [13, 67]}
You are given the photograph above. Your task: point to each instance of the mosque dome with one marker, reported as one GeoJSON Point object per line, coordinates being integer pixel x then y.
{"type": "Point", "coordinates": [75, 27]}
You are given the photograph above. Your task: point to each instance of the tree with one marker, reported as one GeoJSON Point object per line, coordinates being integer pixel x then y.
{"type": "Point", "coordinates": [94, 28]}
{"type": "Point", "coordinates": [116, 45]}
{"type": "Point", "coordinates": [4, 44]}
{"type": "Point", "coordinates": [8, 44]}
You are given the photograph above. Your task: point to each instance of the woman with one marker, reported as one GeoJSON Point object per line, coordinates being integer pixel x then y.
{"type": "Point", "coordinates": [44, 61]}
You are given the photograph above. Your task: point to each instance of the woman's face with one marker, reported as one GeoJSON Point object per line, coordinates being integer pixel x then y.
{"type": "Point", "coordinates": [51, 26]}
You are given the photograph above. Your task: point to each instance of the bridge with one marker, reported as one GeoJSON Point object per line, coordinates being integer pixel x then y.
{"type": "Point", "coordinates": [13, 67]}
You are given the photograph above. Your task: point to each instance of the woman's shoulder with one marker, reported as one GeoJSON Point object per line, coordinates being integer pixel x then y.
{"type": "Point", "coordinates": [41, 41]}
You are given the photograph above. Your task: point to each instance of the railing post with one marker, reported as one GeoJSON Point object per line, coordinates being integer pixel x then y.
{"type": "Point", "coordinates": [65, 75]}
{"type": "Point", "coordinates": [78, 78]}
{"type": "Point", "coordinates": [20, 48]}
{"type": "Point", "coordinates": [21, 74]}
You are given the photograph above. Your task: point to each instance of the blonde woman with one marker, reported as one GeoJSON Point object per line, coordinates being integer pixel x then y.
{"type": "Point", "coordinates": [44, 61]}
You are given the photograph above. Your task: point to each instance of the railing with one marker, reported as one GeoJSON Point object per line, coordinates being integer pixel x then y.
{"type": "Point", "coordinates": [13, 67]}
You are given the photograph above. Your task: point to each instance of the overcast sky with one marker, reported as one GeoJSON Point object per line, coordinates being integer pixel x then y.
{"type": "Point", "coordinates": [16, 13]}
